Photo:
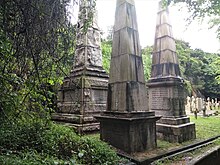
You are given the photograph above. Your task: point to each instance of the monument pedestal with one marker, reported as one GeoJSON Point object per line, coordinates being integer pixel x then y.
{"type": "Point", "coordinates": [83, 95]}
{"type": "Point", "coordinates": [166, 98]}
{"type": "Point", "coordinates": [130, 132]}
{"type": "Point", "coordinates": [175, 130]}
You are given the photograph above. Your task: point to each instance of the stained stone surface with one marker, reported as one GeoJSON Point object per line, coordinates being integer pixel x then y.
{"type": "Point", "coordinates": [166, 89]}
{"type": "Point", "coordinates": [84, 92]}
{"type": "Point", "coordinates": [127, 124]}
{"type": "Point", "coordinates": [165, 62]}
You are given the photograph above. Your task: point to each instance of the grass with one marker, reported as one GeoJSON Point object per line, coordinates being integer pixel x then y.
{"type": "Point", "coordinates": [206, 127]}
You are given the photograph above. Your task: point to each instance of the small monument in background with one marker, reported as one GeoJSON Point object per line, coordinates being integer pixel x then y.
{"type": "Point", "coordinates": [166, 89]}
{"type": "Point", "coordinates": [188, 105]}
{"type": "Point", "coordinates": [84, 93]}
{"type": "Point", "coordinates": [127, 124]}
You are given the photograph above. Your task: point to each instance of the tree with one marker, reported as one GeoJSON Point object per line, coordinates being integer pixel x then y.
{"type": "Point", "coordinates": [147, 61]}
{"type": "Point", "coordinates": [199, 69]}
{"type": "Point", "coordinates": [202, 8]}
{"type": "Point", "coordinates": [106, 46]}
{"type": "Point", "coordinates": [36, 47]}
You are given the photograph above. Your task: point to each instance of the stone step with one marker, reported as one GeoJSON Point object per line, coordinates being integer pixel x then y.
{"type": "Point", "coordinates": [73, 118]}
{"type": "Point", "coordinates": [81, 128]}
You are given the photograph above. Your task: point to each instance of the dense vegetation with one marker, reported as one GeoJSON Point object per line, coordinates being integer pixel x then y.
{"type": "Point", "coordinates": [200, 69]}
{"type": "Point", "coordinates": [36, 47]}
{"type": "Point", "coordinates": [37, 141]}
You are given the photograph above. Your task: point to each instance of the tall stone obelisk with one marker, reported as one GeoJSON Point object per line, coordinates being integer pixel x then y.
{"type": "Point", "coordinates": [84, 93]}
{"type": "Point", "coordinates": [127, 124]}
{"type": "Point", "coordinates": [166, 88]}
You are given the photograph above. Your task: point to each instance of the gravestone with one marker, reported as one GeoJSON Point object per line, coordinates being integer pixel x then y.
{"type": "Point", "coordinates": [193, 104]}
{"type": "Point", "coordinates": [188, 107]}
{"type": "Point", "coordinates": [199, 104]}
{"type": "Point", "coordinates": [216, 104]}
{"type": "Point", "coordinates": [84, 92]}
{"type": "Point", "coordinates": [166, 89]}
{"type": "Point", "coordinates": [209, 104]}
{"type": "Point", "coordinates": [213, 104]}
{"type": "Point", "coordinates": [127, 124]}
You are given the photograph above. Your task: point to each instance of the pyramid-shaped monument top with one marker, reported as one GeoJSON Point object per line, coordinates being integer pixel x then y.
{"type": "Point", "coordinates": [126, 83]}
{"type": "Point", "coordinates": [88, 43]}
{"type": "Point", "coordinates": [165, 62]}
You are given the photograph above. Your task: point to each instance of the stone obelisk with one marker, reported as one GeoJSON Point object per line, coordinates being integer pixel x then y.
{"type": "Point", "coordinates": [166, 89]}
{"type": "Point", "coordinates": [84, 93]}
{"type": "Point", "coordinates": [127, 124]}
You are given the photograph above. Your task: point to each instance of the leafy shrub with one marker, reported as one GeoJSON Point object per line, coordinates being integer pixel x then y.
{"type": "Point", "coordinates": [23, 134]}
{"type": "Point", "coordinates": [93, 151]}
{"type": "Point", "coordinates": [40, 137]}
{"type": "Point", "coordinates": [32, 158]}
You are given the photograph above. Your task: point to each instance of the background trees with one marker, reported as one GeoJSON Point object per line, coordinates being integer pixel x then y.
{"type": "Point", "coordinates": [199, 68]}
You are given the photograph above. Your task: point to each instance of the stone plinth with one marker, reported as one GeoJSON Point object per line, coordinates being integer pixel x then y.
{"type": "Point", "coordinates": [81, 97]}
{"type": "Point", "coordinates": [176, 130]}
{"type": "Point", "coordinates": [84, 92]}
{"type": "Point", "coordinates": [130, 132]}
{"type": "Point", "coordinates": [166, 98]}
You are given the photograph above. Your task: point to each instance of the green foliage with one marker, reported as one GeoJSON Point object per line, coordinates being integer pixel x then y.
{"type": "Point", "coordinates": [106, 54]}
{"type": "Point", "coordinates": [32, 158]}
{"type": "Point", "coordinates": [200, 69]}
{"type": "Point", "coordinates": [36, 49]}
{"type": "Point", "coordinates": [201, 9]}
{"type": "Point", "coordinates": [147, 61]}
{"type": "Point", "coordinates": [95, 152]}
{"type": "Point", "coordinates": [41, 141]}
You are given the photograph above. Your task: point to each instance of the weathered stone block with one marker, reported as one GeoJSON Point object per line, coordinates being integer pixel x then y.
{"type": "Point", "coordinates": [127, 15]}
{"type": "Point", "coordinates": [126, 67]}
{"type": "Point", "coordinates": [176, 133]}
{"type": "Point", "coordinates": [127, 96]}
{"type": "Point", "coordinates": [133, 134]}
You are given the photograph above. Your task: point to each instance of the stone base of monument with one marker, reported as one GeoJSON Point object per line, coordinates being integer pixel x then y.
{"type": "Point", "coordinates": [175, 130]}
{"type": "Point", "coordinates": [80, 123]}
{"type": "Point", "coordinates": [129, 132]}
{"type": "Point", "coordinates": [82, 95]}
{"type": "Point", "coordinates": [166, 98]}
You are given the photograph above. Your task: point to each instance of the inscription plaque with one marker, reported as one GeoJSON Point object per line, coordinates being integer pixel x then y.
{"type": "Point", "coordinates": [160, 99]}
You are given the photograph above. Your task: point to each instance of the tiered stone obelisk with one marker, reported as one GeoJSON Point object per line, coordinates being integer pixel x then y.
{"type": "Point", "coordinates": [166, 89]}
{"type": "Point", "coordinates": [84, 93]}
{"type": "Point", "coordinates": [127, 124]}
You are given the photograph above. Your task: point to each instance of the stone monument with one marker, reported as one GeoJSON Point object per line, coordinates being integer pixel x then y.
{"type": "Point", "coordinates": [127, 124]}
{"type": "Point", "coordinates": [199, 104]}
{"type": "Point", "coordinates": [209, 105]}
{"type": "Point", "coordinates": [84, 93]}
{"type": "Point", "coordinates": [188, 105]}
{"type": "Point", "coordinates": [166, 89]}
